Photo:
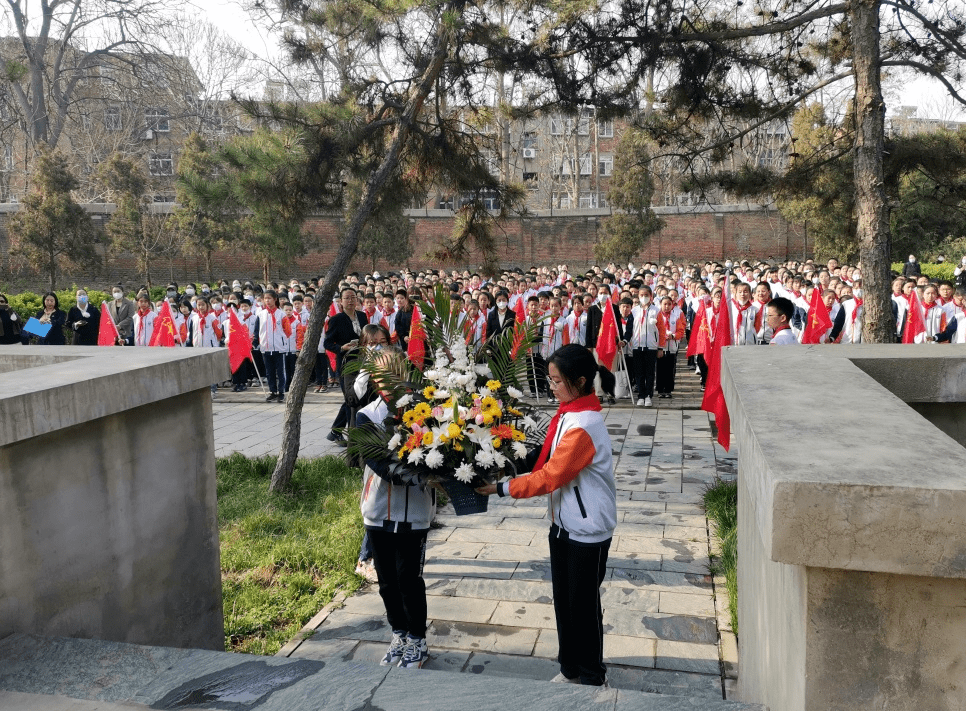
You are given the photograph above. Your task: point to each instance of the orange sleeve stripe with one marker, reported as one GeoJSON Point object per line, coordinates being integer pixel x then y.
{"type": "Point", "coordinates": [661, 334]}
{"type": "Point", "coordinates": [574, 452]}
{"type": "Point", "coordinates": [679, 329]}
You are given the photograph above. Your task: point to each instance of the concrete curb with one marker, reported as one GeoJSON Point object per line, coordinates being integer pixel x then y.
{"type": "Point", "coordinates": [289, 647]}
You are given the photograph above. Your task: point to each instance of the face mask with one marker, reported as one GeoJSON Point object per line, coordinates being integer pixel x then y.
{"type": "Point", "coordinates": [501, 305]}
{"type": "Point", "coordinates": [81, 300]}
{"type": "Point", "coordinates": [170, 292]}
{"type": "Point", "coordinates": [912, 260]}
{"type": "Point", "coordinates": [216, 307]}
{"type": "Point", "coordinates": [194, 303]}
{"type": "Point", "coordinates": [205, 290]}
{"type": "Point", "coordinates": [728, 265]}
{"type": "Point", "coordinates": [377, 347]}
{"type": "Point", "coordinates": [249, 295]}
{"type": "Point", "coordinates": [118, 295]}
{"type": "Point", "coordinates": [857, 293]}
{"type": "Point", "coordinates": [245, 312]}
{"type": "Point", "coordinates": [645, 300]}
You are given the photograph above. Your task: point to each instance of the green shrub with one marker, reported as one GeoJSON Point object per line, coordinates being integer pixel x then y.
{"type": "Point", "coordinates": [935, 272]}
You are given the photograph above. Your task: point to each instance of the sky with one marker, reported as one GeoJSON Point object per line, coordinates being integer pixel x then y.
{"type": "Point", "coordinates": [928, 95]}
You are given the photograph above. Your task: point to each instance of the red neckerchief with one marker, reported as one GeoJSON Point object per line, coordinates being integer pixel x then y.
{"type": "Point", "coordinates": [855, 311]}
{"type": "Point", "coordinates": [581, 404]}
{"type": "Point", "coordinates": [741, 310]}
{"type": "Point", "coordinates": [786, 327]}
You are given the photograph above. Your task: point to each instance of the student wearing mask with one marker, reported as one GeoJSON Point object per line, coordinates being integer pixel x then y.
{"type": "Point", "coordinates": [271, 344]}
{"type": "Point", "coordinates": [143, 321]}
{"type": "Point", "coordinates": [647, 343]}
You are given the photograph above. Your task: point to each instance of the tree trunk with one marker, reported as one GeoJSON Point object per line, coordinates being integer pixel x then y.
{"type": "Point", "coordinates": [871, 209]}
{"type": "Point", "coordinates": [209, 269]}
{"type": "Point", "coordinates": [282, 476]}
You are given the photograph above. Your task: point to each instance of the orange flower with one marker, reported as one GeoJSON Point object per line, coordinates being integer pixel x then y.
{"type": "Point", "coordinates": [414, 441]}
{"type": "Point", "coordinates": [503, 431]}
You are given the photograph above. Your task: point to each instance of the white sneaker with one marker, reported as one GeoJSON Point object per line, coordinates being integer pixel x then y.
{"type": "Point", "coordinates": [415, 653]}
{"type": "Point", "coordinates": [396, 648]}
{"type": "Point", "coordinates": [641, 403]}
{"type": "Point", "coordinates": [561, 679]}
{"type": "Point", "coordinates": [647, 402]}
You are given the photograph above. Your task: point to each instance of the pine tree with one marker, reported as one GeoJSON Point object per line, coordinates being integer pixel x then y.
{"type": "Point", "coordinates": [51, 231]}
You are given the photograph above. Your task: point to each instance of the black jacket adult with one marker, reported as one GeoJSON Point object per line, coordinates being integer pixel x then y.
{"type": "Point", "coordinates": [9, 326]}
{"type": "Point", "coordinates": [55, 336]}
{"type": "Point", "coordinates": [341, 332]}
{"type": "Point", "coordinates": [86, 334]}
{"type": "Point", "coordinates": [911, 269]}
{"type": "Point", "coordinates": [493, 327]}
{"type": "Point", "coordinates": [594, 318]}
{"type": "Point", "coordinates": [401, 326]}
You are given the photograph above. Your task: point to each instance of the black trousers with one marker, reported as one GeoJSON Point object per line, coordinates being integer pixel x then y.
{"type": "Point", "coordinates": [702, 368]}
{"type": "Point", "coordinates": [399, 559]}
{"type": "Point", "coordinates": [665, 373]}
{"type": "Point", "coordinates": [275, 371]}
{"type": "Point", "coordinates": [645, 360]}
{"type": "Point", "coordinates": [290, 360]}
{"type": "Point", "coordinates": [342, 418]}
{"type": "Point", "coordinates": [577, 571]}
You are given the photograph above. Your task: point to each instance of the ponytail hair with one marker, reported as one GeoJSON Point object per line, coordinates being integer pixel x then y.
{"type": "Point", "coordinates": [575, 362]}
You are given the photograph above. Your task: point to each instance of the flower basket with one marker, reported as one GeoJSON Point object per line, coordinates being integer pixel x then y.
{"type": "Point", "coordinates": [464, 498]}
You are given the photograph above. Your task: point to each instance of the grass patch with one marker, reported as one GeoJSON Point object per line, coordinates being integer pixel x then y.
{"type": "Point", "coordinates": [721, 505]}
{"type": "Point", "coordinates": [284, 557]}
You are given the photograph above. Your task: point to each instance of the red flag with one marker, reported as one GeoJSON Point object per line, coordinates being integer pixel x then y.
{"type": "Point", "coordinates": [416, 349]}
{"type": "Point", "coordinates": [520, 310]}
{"type": "Point", "coordinates": [163, 328]}
{"type": "Point", "coordinates": [915, 321]}
{"type": "Point", "coordinates": [819, 321]}
{"type": "Point", "coordinates": [107, 334]}
{"type": "Point", "coordinates": [519, 331]}
{"type": "Point", "coordinates": [333, 310]}
{"type": "Point", "coordinates": [714, 401]}
{"type": "Point", "coordinates": [239, 342]}
{"type": "Point", "coordinates": [699, 331]}
{"type": "Point", "coordinates": [607, 337]}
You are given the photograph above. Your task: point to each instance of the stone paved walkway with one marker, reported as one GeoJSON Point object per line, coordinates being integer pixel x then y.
{"type": "Point", "coordinates": [490, 603]}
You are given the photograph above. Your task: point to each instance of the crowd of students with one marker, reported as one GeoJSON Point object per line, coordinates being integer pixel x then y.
{"type": "Point", "coordinates": [656, 308]}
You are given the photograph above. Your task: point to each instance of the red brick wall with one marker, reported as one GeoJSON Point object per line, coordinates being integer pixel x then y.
{"type": "Point", "coordinates": [522, 242]}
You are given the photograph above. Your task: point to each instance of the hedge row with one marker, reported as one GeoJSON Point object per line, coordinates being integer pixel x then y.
{"type": "Point", "coordinates": [936, 272]}
{"type": "Point", "coordinates": [27, 303]}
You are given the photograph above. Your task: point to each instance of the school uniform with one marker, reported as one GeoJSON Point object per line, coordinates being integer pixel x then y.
{"type": "Point", "coordinates": [272, 345]}
{"type": "Point", "coordinates": [143, 327]}
{"type": "Point", "coordinates": [745, 323]}
{"type": "Point", "coordinates": [665, 367]}
{"type": "Point", "coordinates": [576, 329]}
{"type": "Point", "coordinates": [955, 331]}
{"type": "Point", "coordinates": [647, 339]}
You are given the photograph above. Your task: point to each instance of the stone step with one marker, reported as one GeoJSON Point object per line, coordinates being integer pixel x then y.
{"type": "Point", "coordinates": [61, 674]}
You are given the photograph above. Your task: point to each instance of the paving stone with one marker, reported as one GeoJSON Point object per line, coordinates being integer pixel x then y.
{"type": "Point", "coordinates": [458, 567]}
{"type": "Point", "coordinates": [483, 638]}
{"type": "Point", "coordinates": [459, 609]}
{"type": "Point", "coordinates": [686, 604]}
{"type": "Point", "coordinates": [451, 660]}
{"type": "Point", "coordinates": [525, 614]}
{"type": "Point", "coordinates": [629, 651]}
{"type": "Point", "coordinates": [683, 684]}
{"type": "Point", "coordinates": [546, 645]}
{"type": "Point", "coordinates": [344, 625]}
{"type": "Point", "coordinates": [668, 547]}
{"type": "Point", "coordinates": [503, 665]}
{"type": "Point", "coordinates": [513, 590]}
{"type": "Point", "coordinates": [681, 498]}
{"type": "Point", "coordinates": [645, 530]}
{"type": "Point", "coordinates": [471, 521]}
{"type": "Point", "coordinates": [440, 586]}
{"type": "Point", "coordinates": [687, 656]}
{"type": "Point", "coordinates": [537, 526]}
{"type": "Point", "coordinates": [364, 603]}
{"type": "Point", "coordinates": [630, 598]}
{"type": "Point", "coordinates": [327, 649]}
{"type": "Point", "coordinates": [661, 580]}
{"type": "Point", "coordinates": [532, 570]}
{"type": "Point", "coordinates": [675, 565]}
{"type": "Point", "coordinates": [438, 534]}
{"type": "Point", "coordinates": [453, 549]}
{"type": "Point", "coordinates": [492, 535]}
{"type": "Point", "coordinates": [679, 628]}
{"type": "Point", "coordinates": [502, 551]}
{"type": "Point", "coordinates": [633, 561]}
{"type": "Point", "coordinates": [687, 533]}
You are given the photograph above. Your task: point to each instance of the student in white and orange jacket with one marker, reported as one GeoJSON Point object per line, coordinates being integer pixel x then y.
{"type": "Point", "coordinates": [143, 321]}
{"type": "Point", "coordinates": [576, 470]}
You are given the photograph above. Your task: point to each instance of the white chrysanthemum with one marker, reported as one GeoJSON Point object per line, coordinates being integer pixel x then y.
{"type": "Point", "coordinates": [446, 415]}
{"type": "Point", "coordinates": [499, 459]}
{"type": "Point", "coordinates": [513, 392]}
{"type": "Point", "coordinates": [484, 457]}
{"type": "Point", "coordinates": [404, 400]}
{"type": "Point", "coordinates": [441, 394]}
{"type": "Point", "coordinates": [483, 369]}
{"type": "Point", "coordinates": [464, 472]}
{"type": "Point", "coordinates": [519, 450]}
{"type": "Point", "coordinates": [467, 379]}
{"type": "Point", "coordinates": [395, 441]}
{"type": "Point", "coordinates": [485, 392]}
{"type": "Point", "coordinates": [431, 373]}
{"type": "Point", "coordinates": [434, 458]}
{"type": "Point", "coordinates": [416, 456]}
{"type": "Point", "coordinates": [529, 422]}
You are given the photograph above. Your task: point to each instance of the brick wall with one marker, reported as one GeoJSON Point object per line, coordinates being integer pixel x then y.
{"type": "Point", "coordinates": [690, 235]}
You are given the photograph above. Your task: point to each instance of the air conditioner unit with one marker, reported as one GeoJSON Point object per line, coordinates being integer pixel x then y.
{"type": "Point", "coordinates": [529, 152]}
{"type": "Point", "coordinates": [148, 135]}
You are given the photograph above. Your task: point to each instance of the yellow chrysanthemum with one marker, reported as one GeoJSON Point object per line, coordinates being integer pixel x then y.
{"type": "Point", "coordinates": [513, 411]}
{"type": "Point", "coordinates": [489, 402]}
{"type": "Point", "coordinates": [497, 442]}
{"type": "Point", "coordinates": [448, 405]}
{"type": "Point", "coordinates": [429, 391]}
{"type": "Point", "coordinates": [493, 385]}
{"type": "Point", "coordinates": [422, 411]}
{"type": "Point", "coordinates": [487, 419]}
{"type": "Point", "coordinates": [453, 431]}
{"type": "Point", "coordinates": [409, 417]}
{"type": "Point", "coordinates": [402, 453]}
{"type": "Point", "coordinates": [427, 438]}
{"type": "Point", "coordinates": [443, 439]}
{"type": "Point", "coordinates": [518, 436]}
{"type": "Point", "coordinates": [457, 446]}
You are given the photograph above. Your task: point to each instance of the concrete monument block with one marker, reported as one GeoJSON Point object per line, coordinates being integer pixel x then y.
{"type": "Point", "coordinates": [851, 525]}
{"type": "Point", "coordinates": [108, 510]}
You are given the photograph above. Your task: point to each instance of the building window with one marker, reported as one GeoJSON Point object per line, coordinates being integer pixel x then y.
{"type": "Point", "coordinates": [157, 120]}
{"type": "Point", "coordinates": [561, 200]}
{"type": "Point", "coordinates": [445, 202]}
{"type": "Point", "coordinates": [7, 164]}
{"type": "Point", "coordinates": [605, 165]}
{"type": "Point", "coordinates": [112, 119]}
{"type": "Point", "coordinates": [107, 73]}
{"type": "Point", "coordinates": [557, 126]}
{"type": "Point", "coordinates": [583, 124]}
{"type": "Point", "coordinates": [530, 181]}
{"type": "Point", "coordinates": [587, 201]}
{"type": "Point", "coordinates": [605, 129]}
{"type": "Point", "coordinates": [161, 164]}
{"type": "Point", "coordinates": [586, 164]}
{"type": "Point", "coordinates": [215, 123]}
{"type": "Point", "coordinates": [165, 197]}
{"type": "Point", "coordinates": [529, 140]}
